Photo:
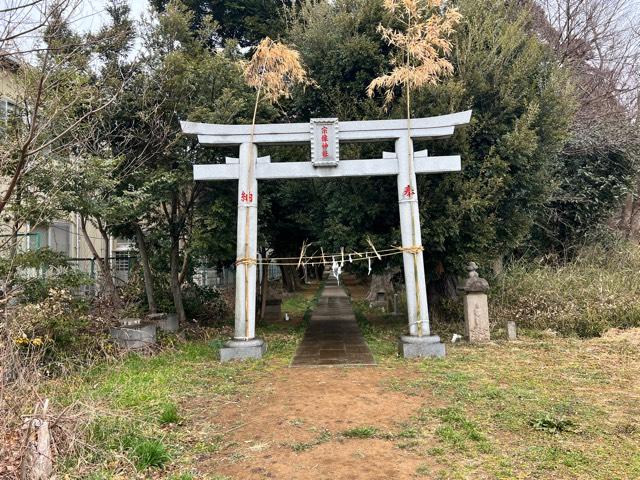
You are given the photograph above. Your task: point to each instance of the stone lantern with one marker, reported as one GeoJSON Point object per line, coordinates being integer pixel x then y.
{"type": "Point", "coordinates": [476, 307]}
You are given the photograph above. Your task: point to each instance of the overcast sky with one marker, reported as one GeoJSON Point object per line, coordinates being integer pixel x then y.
{"type": "Point", "coordinates": [92, 15]}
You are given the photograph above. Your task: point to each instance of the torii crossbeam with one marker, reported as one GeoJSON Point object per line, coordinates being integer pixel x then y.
{"type": "Point", "coordinates": [325, 135]}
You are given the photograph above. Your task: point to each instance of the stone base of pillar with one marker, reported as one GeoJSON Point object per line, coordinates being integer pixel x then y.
{"type": "Point", "coordinates": [242, 349]}
{"type": "Point", "coordinates": [411, 346]}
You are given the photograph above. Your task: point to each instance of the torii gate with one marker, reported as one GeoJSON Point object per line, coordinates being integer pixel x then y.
{"type": "Point", "coordinates": [325, 136]}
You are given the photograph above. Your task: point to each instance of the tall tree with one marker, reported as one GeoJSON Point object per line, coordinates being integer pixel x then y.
{"type": "Point", "coordinates": [182, 79]}
{"type": "Point", "coordinates": [522, 106]}
{"type": "Point", "coordinates": [246, 21]}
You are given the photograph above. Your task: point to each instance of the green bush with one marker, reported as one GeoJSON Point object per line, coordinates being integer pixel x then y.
{"type": "Point", "coordinates": [599, 289]}
{"type": "Point", "coordinates": [35, 272]}
{"type": "Point", "coordinates": [205, 304]}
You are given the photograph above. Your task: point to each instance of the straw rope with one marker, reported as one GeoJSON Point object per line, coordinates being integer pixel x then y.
{"type": "Point", "coordinates": [414, 249]}
{"type": "Point", "coordinates": [322, 259]}
{"type": "Point", "coordinates": [247, 261]}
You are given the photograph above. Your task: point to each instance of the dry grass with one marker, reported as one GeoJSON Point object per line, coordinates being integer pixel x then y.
{"type": "Point", "coordinates": [423, 45]}
{"type": "Point", "coordinates": [599, 290]}
{"type": "Point", "coordinates": [273, 70]}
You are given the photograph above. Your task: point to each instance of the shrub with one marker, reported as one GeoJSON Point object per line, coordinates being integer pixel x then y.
{"type": "Point", "coordinates": [206, 304]}
{"type": "Point", "coordinates": [35, 272]}
{"type": "Point", "coordinates": [59, 328]}
{"type": "Point", "coordinates": [55, 320]}
{"type": "Point", "coordinates": [599, 289]}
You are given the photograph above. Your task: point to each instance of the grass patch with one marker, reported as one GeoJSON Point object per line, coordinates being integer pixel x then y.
{"type": "Point", "coordinates": [149, 453]}
{"type": "Point", "coordinates": [554, 424]}
{"type": "Point", "coordinates": [135, 392]}
{"type": "Point", "coordinates": [423, 471]}
{"type": "Point", "coordinates": [325, 436]}
{"type": "Point", "coordinates": [169, 414]}
{"type": "Point", "coordinates": [457, 430]}
{"type": "Point", "coordinates": [361, 432]}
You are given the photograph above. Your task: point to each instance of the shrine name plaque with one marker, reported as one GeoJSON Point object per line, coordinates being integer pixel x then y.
{"type": "Point", "coordinates": [324, 142]}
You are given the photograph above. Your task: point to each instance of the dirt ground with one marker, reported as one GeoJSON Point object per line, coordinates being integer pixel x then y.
{"type": "Point", "coordinates": [292, 426]}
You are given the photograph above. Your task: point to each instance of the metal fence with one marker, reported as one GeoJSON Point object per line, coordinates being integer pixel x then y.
{"type": "Point", "coordinates": [225, 277]}
{"type": "Point", "coordinates": [122, 264]}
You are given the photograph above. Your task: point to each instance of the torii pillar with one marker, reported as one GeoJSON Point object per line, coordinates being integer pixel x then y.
{"type": "Point", "coordinates": [325, 136]}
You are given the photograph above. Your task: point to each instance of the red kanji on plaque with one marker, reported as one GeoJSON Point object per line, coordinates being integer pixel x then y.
{"type": "Point", "coordinates": [408, 192]}
{"type": "Point", "coordinates": [246, 197]}
{"type": "Point", "coordinates": [325, 142]}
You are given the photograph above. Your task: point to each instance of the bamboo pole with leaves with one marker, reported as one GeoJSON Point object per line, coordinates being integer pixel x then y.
{"type": "Point", "coordinates": [273, 70]}
{"type": "Point", "coordinates": [423, 44]}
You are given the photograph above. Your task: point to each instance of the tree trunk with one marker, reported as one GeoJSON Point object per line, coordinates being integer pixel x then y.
{"type": "Point", "coordinates": [103, 263]}
{"type": "Point", "coordinates": [176, 289]}
{"type": "Point", "coordinates": [146, 269]}
{"type": "Point", "coordinates": [289, 277]}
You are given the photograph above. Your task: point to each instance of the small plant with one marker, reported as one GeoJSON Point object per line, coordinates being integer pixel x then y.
{"type": "Point", "coordinates": [324, 436]}
{"type": "Point", "coordinates": [169, 414]}
{"type": "Point", "coordinates": [423, 471]}
{"type": "Point", "coordinates": [296, 422]}
{"type": "Point", "coordinates": [409, 432]}
{"type": "Point", "coordinates": [552, 424]}
{"type": "Point", "coordinates": [301, 446]}
{"type": "Point", "coordinates": [360, 432]}
{"type": "Point", "coordinates": [150, 453]}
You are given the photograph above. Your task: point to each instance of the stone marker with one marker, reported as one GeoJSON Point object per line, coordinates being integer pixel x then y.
{"type": "Point", "coordinates": [167, 322]}
{"type": "Point", "coordinates": [511, 331]}
{"type": "Point", "coordinates": [476, 308]}
{"type": "Point", "coordinates": [133, 333]}
{"type": "Point", "coordinates": [273, 309]}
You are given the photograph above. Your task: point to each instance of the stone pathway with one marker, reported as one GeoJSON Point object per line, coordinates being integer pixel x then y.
{"type": "Point", "coordinates": [333, 336]}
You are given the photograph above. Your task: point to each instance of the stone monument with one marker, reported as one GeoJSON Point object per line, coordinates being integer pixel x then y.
{"type": "Point", "coordinates": [476, 307]}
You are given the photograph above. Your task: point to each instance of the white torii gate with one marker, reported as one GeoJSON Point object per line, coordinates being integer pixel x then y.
{"type": "Point", "coordinates": [325, 136]}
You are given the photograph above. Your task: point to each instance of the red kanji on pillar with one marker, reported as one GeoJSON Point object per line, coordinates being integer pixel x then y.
{"type": "Point", "coordinates": [246, 197]}
{"type": "Point", "coordinates": [408, 192]}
